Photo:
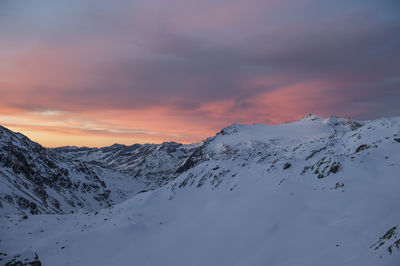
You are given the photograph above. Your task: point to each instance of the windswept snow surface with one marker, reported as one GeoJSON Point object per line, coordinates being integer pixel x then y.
{"type": "Point", "coordinates": [314, 192]}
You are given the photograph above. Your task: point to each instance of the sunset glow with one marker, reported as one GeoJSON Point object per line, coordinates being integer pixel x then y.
{"type": "Point", "coordinates": [95, 73]}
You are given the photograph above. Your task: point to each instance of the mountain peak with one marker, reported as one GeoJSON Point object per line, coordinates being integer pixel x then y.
{"type": "Point", "coordinates": [311, 117]}
{"type": "Point", "coordinates": [229, 129]}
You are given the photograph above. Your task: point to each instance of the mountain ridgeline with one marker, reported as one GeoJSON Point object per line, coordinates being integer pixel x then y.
{"type": "Point", "coordinates": [318, 191]}
{"type": "Point", "coordinates": [63, 180]}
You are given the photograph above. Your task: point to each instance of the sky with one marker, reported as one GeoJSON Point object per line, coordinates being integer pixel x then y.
{"type": "Point", "coordinates": [95, 72]}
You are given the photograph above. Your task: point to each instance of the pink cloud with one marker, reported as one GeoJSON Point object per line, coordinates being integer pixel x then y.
{"type": "Point", "coordinates": [180, 70]}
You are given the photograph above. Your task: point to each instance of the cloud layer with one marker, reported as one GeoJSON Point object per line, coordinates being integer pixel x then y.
{"type": "Point", "coordinates": [149, 71]}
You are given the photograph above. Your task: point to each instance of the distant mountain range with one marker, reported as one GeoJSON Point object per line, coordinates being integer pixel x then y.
{"type": "Point", "coordinates": [318, 191]}
{"type": "Point", "coordinates": [62, 180]}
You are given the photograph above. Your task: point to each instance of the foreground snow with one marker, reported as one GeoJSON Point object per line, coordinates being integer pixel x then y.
{"type": "Point", "coordinates": [314, 192]}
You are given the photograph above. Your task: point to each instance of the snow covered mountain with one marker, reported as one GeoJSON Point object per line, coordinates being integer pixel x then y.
{"type": "Point", "coordinates": [153, 164]}
{"type": "Point", "coordinates": [313, 192]}
{"type": "Point", "coordinates": [37, 180]}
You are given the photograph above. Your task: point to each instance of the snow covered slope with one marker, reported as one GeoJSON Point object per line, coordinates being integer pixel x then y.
{"type": "Point", "coordinates": [314, 192]}
{"type": "Point", "coordinates": [37, 180]}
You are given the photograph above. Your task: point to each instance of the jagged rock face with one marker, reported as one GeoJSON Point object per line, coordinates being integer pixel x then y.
{"type": "Point", "coordinates": [37, 180]}
{"type": "Point", "coordinates": [27, 258]}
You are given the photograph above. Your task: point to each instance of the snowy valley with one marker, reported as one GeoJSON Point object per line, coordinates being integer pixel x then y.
{"type": "Point", "coordinates": [318, 191]}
